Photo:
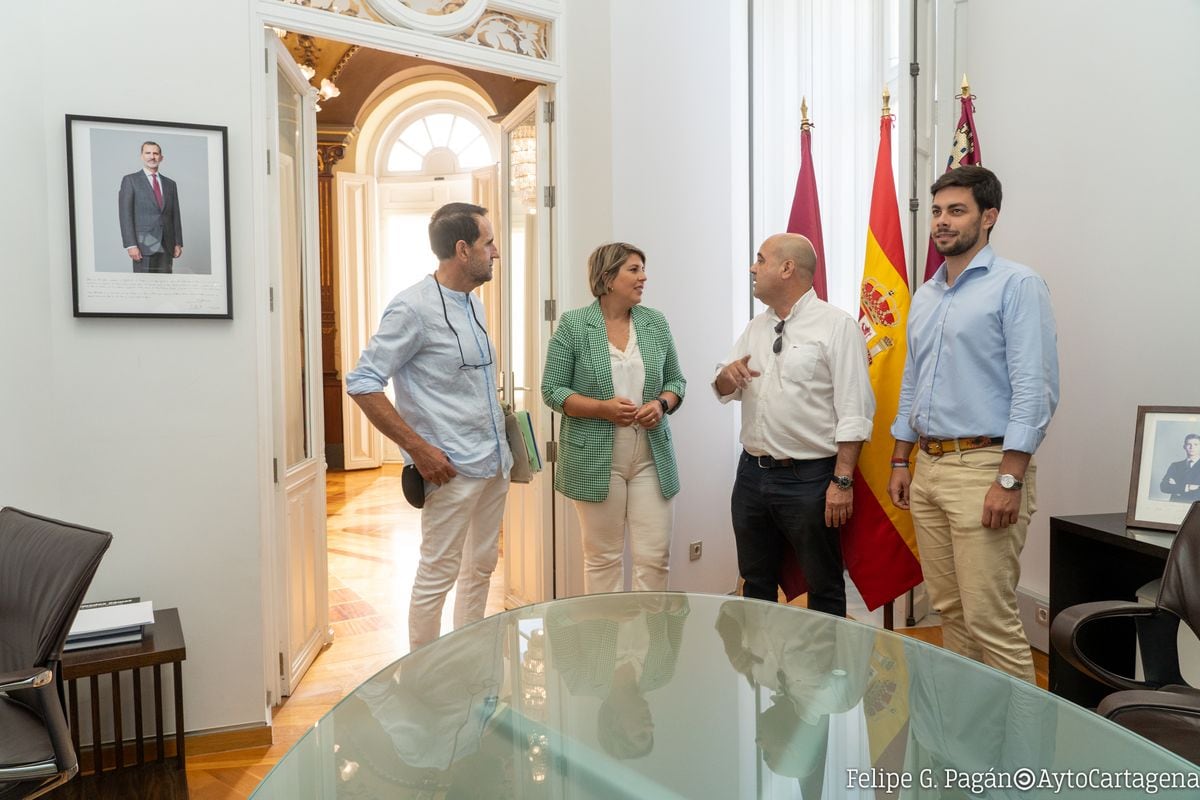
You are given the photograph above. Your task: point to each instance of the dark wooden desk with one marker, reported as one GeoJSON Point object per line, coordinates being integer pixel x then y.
{"type": "Point", "coordinates": [161, 644]}
{"type": "Point", "coordinates": [1095, 557]}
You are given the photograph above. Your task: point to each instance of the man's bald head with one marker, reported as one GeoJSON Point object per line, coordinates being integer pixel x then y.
{"type": "Point", "coordinates": [797, 248]}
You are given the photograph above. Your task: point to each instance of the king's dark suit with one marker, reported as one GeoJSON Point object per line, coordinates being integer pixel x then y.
{"type": "Point", "coordinates": [1179, 476]}
{"type": "Point", "coordinates": [155, 232]}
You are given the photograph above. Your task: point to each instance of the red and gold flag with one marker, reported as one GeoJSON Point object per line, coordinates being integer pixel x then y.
{"type": "Point", "coordinates": [878, 543]}
{"type": "Point", "coordinates": [964, 153]}
{"type": "Point", "coordinates": [805, 218]}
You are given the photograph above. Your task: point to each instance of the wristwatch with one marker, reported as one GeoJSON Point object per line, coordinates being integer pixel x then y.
{"type": "Point", "coordinates": [662, 401]}
{"type": "Point", "coordinates": [843, 481]}
{"type": "Point", "coordinates": [1008, 481]}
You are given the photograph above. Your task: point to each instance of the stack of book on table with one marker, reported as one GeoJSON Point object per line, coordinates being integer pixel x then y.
{"type": "Point", "coordinates": [110, 622]}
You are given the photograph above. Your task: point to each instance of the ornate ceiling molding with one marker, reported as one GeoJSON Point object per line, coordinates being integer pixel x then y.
{"type": "Point", "coordinates": [439, 17]}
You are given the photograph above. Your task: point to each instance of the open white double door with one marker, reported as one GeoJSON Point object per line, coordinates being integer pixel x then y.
{"type": "Point", "coordinates": [517, 300]}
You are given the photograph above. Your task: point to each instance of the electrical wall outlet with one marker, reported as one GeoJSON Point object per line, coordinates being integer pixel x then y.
{"type": "Point", "coordinates": [695, 550]}
{"type": "Point", "coordinates": [1042, 615]}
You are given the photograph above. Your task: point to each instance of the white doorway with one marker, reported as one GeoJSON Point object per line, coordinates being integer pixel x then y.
{"type": "Point", "coordinates": [385, 213]}
{"type": "Point", "coordinates": [297, 562]}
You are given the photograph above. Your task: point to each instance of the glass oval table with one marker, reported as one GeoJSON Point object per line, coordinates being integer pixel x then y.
{"type": "Point", "coordinates": [698, 696]}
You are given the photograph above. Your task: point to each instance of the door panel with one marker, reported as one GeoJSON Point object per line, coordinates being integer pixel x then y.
{"type": "Point", "coordinates": [355, 214]}
{"type": "Point", "coordinates": [302, 581]}
{"type": "Point", "coordinates": [526, 253]}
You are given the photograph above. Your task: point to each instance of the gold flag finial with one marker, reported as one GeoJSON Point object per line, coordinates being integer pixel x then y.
{"type": "Point", "coordinates": [804, 122]}
{"type": "Point", "coordinates": [966, 87]}
{"type": "Point", "coordinates": [887, 97]}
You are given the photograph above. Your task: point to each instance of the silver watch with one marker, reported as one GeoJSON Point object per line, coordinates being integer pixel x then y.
{"type": "Point", "coordinates": [843, 481]}
{"type": "Point", "coordinates": [1008, 481]}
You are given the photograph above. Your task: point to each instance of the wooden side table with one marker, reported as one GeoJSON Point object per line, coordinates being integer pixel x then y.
{"type": "Point", "coordinates": [161, 644]}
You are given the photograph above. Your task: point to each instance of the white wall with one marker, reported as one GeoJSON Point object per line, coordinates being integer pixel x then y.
{"type": "Point", "coordinates": [25, 346]}
{"type": "Point", "coordinates": [147, 428]}
{"type": "Point", "coordinates": [679, 191]}
{"type": "Point", "coordinates": [653, 152]}
{"type": "Point", "coordinates": [1086, 110]}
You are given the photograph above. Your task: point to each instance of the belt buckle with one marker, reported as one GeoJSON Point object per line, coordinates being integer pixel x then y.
{"type": "Point", "coordinates": [933, 447]}
{"type": "Point", "coordinates": [761, 465]}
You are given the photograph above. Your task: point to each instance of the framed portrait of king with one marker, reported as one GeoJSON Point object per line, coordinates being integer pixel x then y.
{"type": "Point", "coordinates": [149, 217]}
{"type": "Point", "coordinates": [1165, 479]}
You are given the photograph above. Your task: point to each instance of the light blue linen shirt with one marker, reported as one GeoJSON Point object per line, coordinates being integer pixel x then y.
{"type": "Point", "coordinates": [982, 356]}
{"type": "Point", "coordinates": [452, 408]}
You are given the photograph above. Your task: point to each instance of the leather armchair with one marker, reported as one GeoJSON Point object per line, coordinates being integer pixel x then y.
{"type": "Point", "coordinates": [1162, 706]}
{"type": "Point", "coordinates": [46, 567]}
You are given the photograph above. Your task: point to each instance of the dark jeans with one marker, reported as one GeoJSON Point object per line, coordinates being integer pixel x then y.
{"type": "Point", "coordinates": [785, 507]}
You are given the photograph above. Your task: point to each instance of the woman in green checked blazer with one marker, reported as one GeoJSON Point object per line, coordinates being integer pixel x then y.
{"type": "Point", "coordinates": [612, 372]}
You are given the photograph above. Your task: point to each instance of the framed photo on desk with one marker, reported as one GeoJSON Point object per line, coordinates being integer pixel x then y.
{"type": "Point", "coordinates": [1165, 479]}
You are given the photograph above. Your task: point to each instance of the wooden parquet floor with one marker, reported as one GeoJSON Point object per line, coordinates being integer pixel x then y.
{"type": "Point", "coordinates": [373, 541]}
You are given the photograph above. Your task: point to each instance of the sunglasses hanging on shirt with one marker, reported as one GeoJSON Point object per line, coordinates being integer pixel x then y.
{"type": "Point", "coordinates": [458, 340]}
{"type": "Point", "coordinates": [778, 346]}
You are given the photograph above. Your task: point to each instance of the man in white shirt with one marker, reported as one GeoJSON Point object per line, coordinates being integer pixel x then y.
{"type": "Point", "coordinates": [432, 346]}
{"type": "Point", "coordinates": [800, 370]}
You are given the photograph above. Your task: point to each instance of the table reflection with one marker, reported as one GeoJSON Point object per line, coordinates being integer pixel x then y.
{"type": "Point", "coordinates": [695, 696]}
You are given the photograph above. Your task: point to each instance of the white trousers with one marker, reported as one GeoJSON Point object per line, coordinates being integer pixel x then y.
{"type": "Point", "coordinates": [460, 532]}
{"type": "Point", "coordinates": [634, 497]}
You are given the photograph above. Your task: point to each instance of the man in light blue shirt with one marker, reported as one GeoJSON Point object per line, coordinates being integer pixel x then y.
{"type": "Point", "coordinates": [434, 348]}
{"type": "Point", "coordinates": [980, 385]}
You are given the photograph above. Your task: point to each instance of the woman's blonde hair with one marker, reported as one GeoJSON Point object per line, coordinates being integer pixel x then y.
{"type": "Point", "coordinates": [604, 263]}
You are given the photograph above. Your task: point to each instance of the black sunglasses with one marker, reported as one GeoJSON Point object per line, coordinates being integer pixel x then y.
{"type": "Point", "coordinates": [775, 348]}
{"type": "Point", "coordinates": [457, 339]}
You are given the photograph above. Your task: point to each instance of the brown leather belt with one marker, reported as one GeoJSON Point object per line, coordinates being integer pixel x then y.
{"type": "Point", "coordinates": [936, 447]}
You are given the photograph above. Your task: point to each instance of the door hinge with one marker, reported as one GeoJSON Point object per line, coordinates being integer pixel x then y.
{"type": "Point", "coordinates": [551, 307]}
{"type": "Point", "coordinates": [914, 68]}
{"type": "Point", "coordinates": [548, 111]}
{"type": "Point", "coordinates": [281, 673]}
{"type": "Point", "coordinates": [549, 198]}
{"type": "Point", "coordinates": [266, 60]}
{"type": "Point", "coordinates": [914, 204]}
{"type": "Point", "coordinates": [551, 452]}
{"type": "Point", "coordinates": [268, 162]}
{"type": "Point", "coordinates": [275, 470]}
{"type": "Point", "coordinates": [270, 298]}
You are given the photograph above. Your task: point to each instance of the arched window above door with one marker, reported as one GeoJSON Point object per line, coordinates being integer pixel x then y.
{"type": "Point", "coordinates": [438, 142]}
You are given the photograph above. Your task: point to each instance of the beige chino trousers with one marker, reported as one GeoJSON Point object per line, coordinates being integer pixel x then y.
{"type": "Point", "coordinates": [971, 572]}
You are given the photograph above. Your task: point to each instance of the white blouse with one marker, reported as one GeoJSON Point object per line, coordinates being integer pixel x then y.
{"type": "Point", "coordinates": [628, 369]}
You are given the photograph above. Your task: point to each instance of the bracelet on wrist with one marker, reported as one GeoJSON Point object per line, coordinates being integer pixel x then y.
{"type": "Point", "coordinates": [898, 463]}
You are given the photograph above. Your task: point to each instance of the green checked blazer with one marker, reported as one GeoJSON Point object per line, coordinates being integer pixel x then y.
{"type": "Point", "coordinates": [577, 362]}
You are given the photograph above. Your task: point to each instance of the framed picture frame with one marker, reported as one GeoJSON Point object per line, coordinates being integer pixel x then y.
{"type": "Point", "coordinates": [1165, 479]}
{"type": "Point", "coordinates": [149, 216]}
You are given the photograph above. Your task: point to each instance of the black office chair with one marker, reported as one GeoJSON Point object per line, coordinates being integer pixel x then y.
{"type": "Point", "coordinates": [1162, 707]}
{"type": "Point", "coordinates": [45, 569]}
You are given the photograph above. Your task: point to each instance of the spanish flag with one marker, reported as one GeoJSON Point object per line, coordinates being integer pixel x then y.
{"type": "Point", "coordinates": [878, 543]}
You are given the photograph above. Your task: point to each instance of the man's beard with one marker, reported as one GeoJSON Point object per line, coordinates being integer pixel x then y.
{"type": "Point", "coordinates": [958, 245]}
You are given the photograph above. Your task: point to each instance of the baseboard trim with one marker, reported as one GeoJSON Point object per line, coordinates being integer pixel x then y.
{"type": "Point", "coordinates": [202, 742]}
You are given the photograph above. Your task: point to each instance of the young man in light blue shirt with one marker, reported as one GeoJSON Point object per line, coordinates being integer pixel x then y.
{"type": "Point", "coordinates": [980, 385]}
{"type": "Point", "coordinates": [434, 348]}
